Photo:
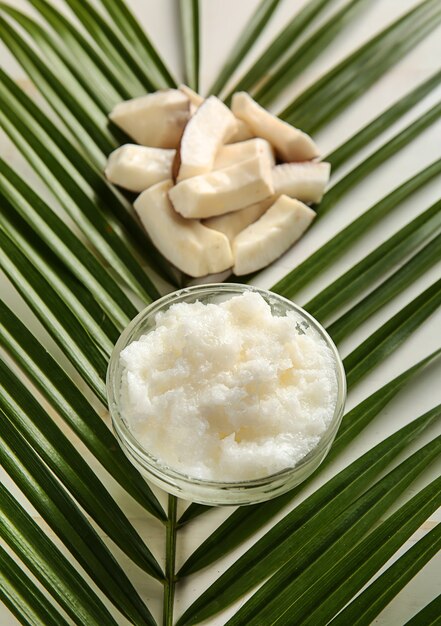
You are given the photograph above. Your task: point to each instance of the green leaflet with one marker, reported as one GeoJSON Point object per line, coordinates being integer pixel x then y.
{"type": "Point", "coordinates": [36, 426]}
{"type": "Point", "coordinates": [247, 38]}
{"type": "Point", "coordinates": [372, 130]}
{"type": "Point", "coordinates": [75, 200]}
{"type": "Point", "coordinates": [387, 290]}
{"type": "Point", "coordinates": [334, 91]}
{"type": "Point", "coordinates": [67, 521]}
{"type": "Point", "coordinates": [23, 598]}
{"type": "Point", "coordinates": [355, 280]}
{"type": "Point", "coordinates": [400, 140]}
{"type": "Point", "coordinates": [246, 520]}
{"type": "Point", "coordinates": [116, 46]}
{"type": "Point", "coordinates": [170, 561]}
{"type": "Point", "coordinates": [55, 315]}
{"type": "Point", "coordinates": [116, 210]}
{"type": "Point", "coordinates": [302, 525]}
{"type": "Point", "coordinates": [35, 254]}
{"type": "Point", "coordinates": [97, 140]}
{"type": "Point", "coordinates": [71, 252]}
{"type": "Point", "coordinates": [283, 42]}
{"type": "Point", "coordinates": [301, 57]}
{"type": "Point", "coordinates": [368, 604]}
{"type": "Point", "coordinates": [61, 579]}
{"type": "Point", "coordinates": [126, 22]}
{"type": "Point", "coordinates": [392, 334]}
{"type": "Point", "coordinates": [66, 398]}
{"type": "Point", "coordinates": [87, 60]}
{"type": "Point", "coordinates": [276, 601]}
{"type": "Point", "coordinates": [300, 276]}
{"type": "Point", "coordinates": [189, 14]}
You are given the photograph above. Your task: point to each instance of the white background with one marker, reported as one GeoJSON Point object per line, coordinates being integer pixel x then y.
{"type": "Point", "coordinates": [222, 21]}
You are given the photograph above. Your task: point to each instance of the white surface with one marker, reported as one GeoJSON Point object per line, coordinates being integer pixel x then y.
{"type": "Point", "coordinates": [222, 21]}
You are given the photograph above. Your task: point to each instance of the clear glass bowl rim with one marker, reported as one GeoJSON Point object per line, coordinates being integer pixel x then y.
{"type": "Point", "coordinates": [164, 472]}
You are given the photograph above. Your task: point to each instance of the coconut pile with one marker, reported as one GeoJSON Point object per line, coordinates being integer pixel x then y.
{"type": "Point", "coordinates": [220, 189]}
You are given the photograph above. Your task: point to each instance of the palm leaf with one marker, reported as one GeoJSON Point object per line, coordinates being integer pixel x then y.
{"type": "Point", "coordinates": [303, 527]}
{"type": "Point", "coordinates": [98, 140]}
{"type": "Point", "coordinates": [335, 247]}
{"type": "Point", "coordinates": [23, 598]}
{"type": "Point", "coordinates": [54, 314]}
{"type": "Point", "coordinates": [62, 515]}
{"type": "Point", "coordinates": [365, 168]}
{"type": "Point", "coordinates": [117, 47]}
{"type": "Point", "coordinates": [307, 564]}
{"type": "Point", "coordinates": [99, 75]}
{"type": "Point", "coordinates": [387, 290]}
{"type": "Point", "coordinates": [115, 209]}
{"type": "Point", "coordinates": [372, 130]}
{"type": "Point", "coordinates": [311, 48]}
{"type": "Point", "coordinates": [65, 397]}
{"type": "Point", "coordinates": [33, 423]}
{"type": "Point", "coordinates": [124, 19]}
{"type": "Point", "coordinates": [332, 93]}
{"type": "Point", "coordinates": [375, 598]}
{"type": "Point", "coordinates": [244, 521]}
{"type": "Point", "coordinates": [83, 61]}
{"type": "Point", "coordinates": [68, 248]}
{"type": "Point", "coordinates": [391, 334]}
{"type": "Point", "coordinates": [189, 12]}
{"type": "Point", "coordinates": [380, 260]}
{"type": "Point", "coordinates": [40, 555]}
{"type": "Point", "coordinates": [75, 200]}
{"type": "Point", "coordinates": [283, 41]}
{"type": "Point", "coordinates": [245, 42]}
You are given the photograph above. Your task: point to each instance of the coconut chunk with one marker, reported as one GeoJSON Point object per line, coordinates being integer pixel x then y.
{"type": "Point", "coordinates": [264, 241]}
{"type": "Point", "coordinates": [231, 224]}
{"type": "Point", "coordinates": [195, 99]}
{"type": "Point", "coordinates": [291, 144]}
{"type": "Point", "coordinates": [225, 190]}
{"type": "Point", "coordinates": [238, 152]}
{"type": "Point", "coordinates": [209, 128]}
{"type": "Point", "coordinates": [155, 120]}
{"type": "Point", "coordinates": [190, 246]}
{"type": "Point", "coordinates": [138, 167]}
{"type": "Point", "coordinates": [305, 181]}
{"type": "Point", "coordinates": [242, 133]}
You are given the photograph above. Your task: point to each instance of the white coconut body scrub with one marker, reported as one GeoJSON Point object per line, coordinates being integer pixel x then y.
{"type": "Point", "coordinates": [229, 391]}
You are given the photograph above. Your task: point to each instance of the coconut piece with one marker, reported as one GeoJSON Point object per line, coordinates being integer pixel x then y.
{"type": "Point", "coordinates": [305, 181]}
{"type": "Point", "coordinates": [138, 167]}
{"type": "Point", "coordinates": [195, 99]}
{"type": "Point", "coordinates": [155, 120]}
{"type": "Point", "coordinates": [209, 128]}
{"type": "Point", "coordinates": [238, 152]}
{"type": "Point", "coordinates": [231, 224]}
{"type": "Point", "coordinates": [264, 241]}
{"type": "Point", "coordinates": [291, 144]}
{"type": "Point", "coordinates": [225, 190]}
{"type": "Point", "coordinates": [193, 248]}
{"type": "Point", "coordinates": [243, 132]}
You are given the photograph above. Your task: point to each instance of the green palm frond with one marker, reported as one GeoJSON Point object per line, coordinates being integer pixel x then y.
{"type": "Point", "coordinates": [23, 598]}
{"type": "Point", "coordinates": [72, 248]}
{"type": "Point", "coordinates": [368, 604]}
{"type": "Point", "coordinates": [189, 10]}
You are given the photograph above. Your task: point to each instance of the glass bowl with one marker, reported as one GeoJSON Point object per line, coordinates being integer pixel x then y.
{"type": "Point", "coordinates": [203, 491]}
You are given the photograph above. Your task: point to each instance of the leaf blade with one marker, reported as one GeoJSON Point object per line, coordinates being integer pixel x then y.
{"type": "Point", "coordinates": [189, 16]}
{"type": "Point", "coordinates": [244, 43]}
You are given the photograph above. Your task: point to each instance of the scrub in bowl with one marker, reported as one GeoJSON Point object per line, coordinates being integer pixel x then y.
{"type": "Point", "coordinates": [225, 394]}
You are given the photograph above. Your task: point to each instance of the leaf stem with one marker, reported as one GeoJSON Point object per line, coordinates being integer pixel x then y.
{"type": "Point", "coordinates": [170, 557]}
